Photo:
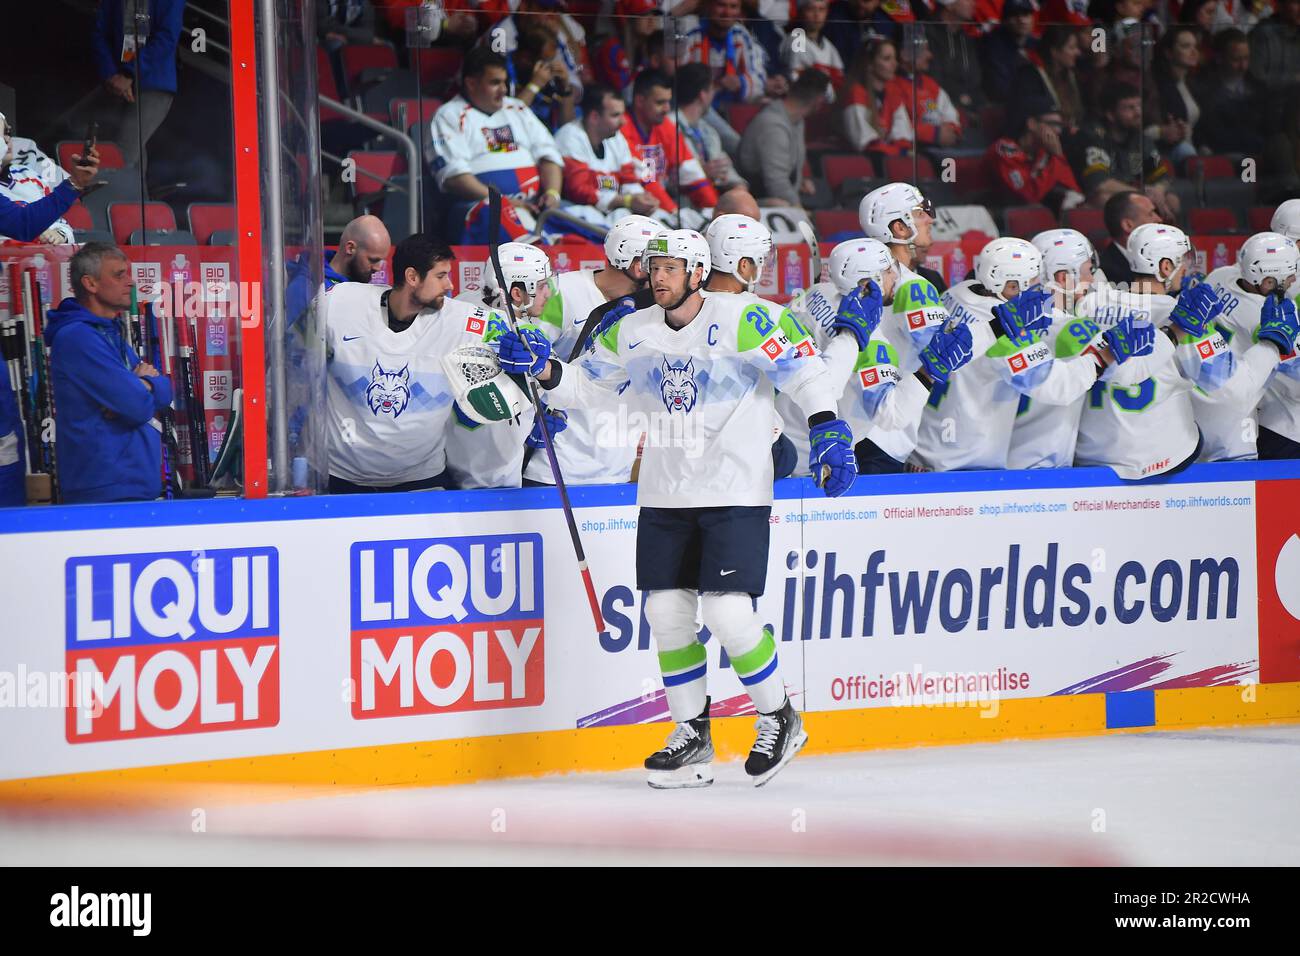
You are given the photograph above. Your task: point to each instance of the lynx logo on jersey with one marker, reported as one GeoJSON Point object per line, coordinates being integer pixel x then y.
{"type": "Point", "coordinates": [389, 392]}
{"type": "Point", "coordinates": [678, 386]}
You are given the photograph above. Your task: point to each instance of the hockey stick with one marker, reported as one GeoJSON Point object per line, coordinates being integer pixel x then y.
{"type": "Point", "coordinates": [814, 251]}
{"type": "Point", "coordinates": [494, 229]}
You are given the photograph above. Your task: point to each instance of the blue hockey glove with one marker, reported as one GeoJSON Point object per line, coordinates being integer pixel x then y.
{"type": "Point", "coordinates": [524, 352]}
{"type": "Point", "coordinates": [1278, 324]}
{"type": "Point", "coordinates": [556, 422]}
{"type": "Point", "coordinates": [860, 313]}
{"type": "Point", "coordinates": [830, 457]}
{"type": "Point", "coordinates": [1025, 315]}
{"type": "Point", "coordinates": [947, 352]}
{"type": "Point", "coordinates": [464, 420]}
{"type": "Point", "coordinates": [621, 310]}
{"type": "Point", "coordinates": [1127, 339]}
{"type": "Point", "coordinates": [1196, 308]}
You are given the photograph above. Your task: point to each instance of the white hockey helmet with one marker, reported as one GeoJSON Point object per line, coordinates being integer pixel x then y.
{"type": "Point", "coordinates": [882, 206]}
{"type": "Point", "coordinates": [1269, 255]}
{"type": "Point", "coordinates": [1064, 250]}
{"type": "Point", "coordinates": [733, 237]}
{"type": "Point", "coordinates": [1008, 260]}
{"type": "Point", "coordinates": [525, 264]}
{"type": "Point", "coordinates": [685, 244]}
{"type": "Point", "coordinates": [1153, 242]}
{"type": "Point", "coordinates": [626, 240]}
{"type": "Point", "coordinates": [856, 259]}
{"type": "Point", "coordinates": [1286, 219]}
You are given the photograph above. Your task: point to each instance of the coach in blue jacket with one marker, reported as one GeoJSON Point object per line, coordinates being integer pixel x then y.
{"type": "Point", "coordinates": [109, 448]}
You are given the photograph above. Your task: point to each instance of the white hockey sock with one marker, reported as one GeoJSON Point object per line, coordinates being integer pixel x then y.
{"type": "Point", "coordinates": [681, 656]}
{"type": "Point", "coordinates": [750, 646]}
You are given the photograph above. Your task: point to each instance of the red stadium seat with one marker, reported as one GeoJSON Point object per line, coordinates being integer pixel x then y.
{"type": "Point", "coordinates": [899, 169]}
{"type": "Point", "coordinates": [372, 169]}
{"type": "Point", "coordinates": [417, 111]}
{"type": "Point", "coordinates": [110, 154]}
{"type": "Point", "coordinates": [326, 86]}
{"type": "Point", "coordinates": [439, 66]}
{"type": "Point", "coordinates": [79, 218]}
{"type": "Point", "coordinates": [1218, 219]}
{"type": "Point", "coordinates": [1211, 167]}
{"type": "Point", "coordinates": [1028, 221]}
{"type": "Point", "coordinates": [741, 113]}
{"type": "Point", "coordinates": [359, 57]}
{"type": "Point", "coordinates": [207, 218]}
{"type": "Point", "coordinates": [1260, 218]}
{"type": "Point", "coordinates": [837, 167]}
{"type": "Point", "coordinates": [829, 222]}
{"type": "Point", "coordinates": [972, 174]}
{"type": "Point", "coordinates": [992, 119]}
{"type": "Point", "coordinates": [1085, 219]}
{"type": "Point", "coordinates": [125, 218]}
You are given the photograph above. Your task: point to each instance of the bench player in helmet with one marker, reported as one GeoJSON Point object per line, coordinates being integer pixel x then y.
{"type": "Point", "coordinates": [1261, 396]}
{"type": "Point", "coordinates": [1286, 222]}
{"type": "Point", "coordinates": [900, 216]}
{"type": "Point", "coordinates": [968, 424]}
{"type": "Point", "coordinates": [709, 362]}
{"type": "Point", "coordinates": [493, 457]}
{"type": "Point", "coordinates": [596, 446]}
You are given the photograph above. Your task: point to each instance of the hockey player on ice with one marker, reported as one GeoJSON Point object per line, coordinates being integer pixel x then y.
{"type": "Point", "coordinates": [710, 361]}
{"type": "Point", "coordinates": [390, 402]}
{"type": "Point", "coordinates": [1138, 419]}
{"type": "Point", "coordinates": [596, 446]}
{"type": "Point", "coordinates": [1258, 323]}
{"type": "Point", "coordinates": [968, 424]}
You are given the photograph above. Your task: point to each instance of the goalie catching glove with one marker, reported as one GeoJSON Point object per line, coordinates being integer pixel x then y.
{"type": "Point", "coordinates": [483, 392]}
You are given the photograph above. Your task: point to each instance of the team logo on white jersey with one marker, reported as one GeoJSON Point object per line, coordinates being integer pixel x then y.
{"type": "Point", "coordinates": [389, 392]}
{"type": "Point", "coordinates": [500, 139]}
{"type": "Point", "coordinates": [678, 386]}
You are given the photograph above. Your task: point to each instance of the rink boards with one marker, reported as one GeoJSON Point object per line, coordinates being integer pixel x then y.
{"type": "Point", "coordinates": [441, 637]}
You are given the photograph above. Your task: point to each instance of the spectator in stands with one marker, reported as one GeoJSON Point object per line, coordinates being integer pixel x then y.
{"type": "Point", "coordinates": [32, 203]}
{"type": "Point", "coordinates": [1231, 99]}
{"type": "Point", "coordinates": [655, 139]}
{"type": "Point", "coordinates": [601, 176]}
{"type": "Point", "coordinates": [107, 396]}
{"type": "Point", "coordinates": [694, 102]}
{"type": "Point", "coordinates": [570, 37]}
{"type": "Point", "coordinates": [772, 151]}
{"type": "Point", "coordinates": [1051, 72]}
{"type": "Point", "coordinates": [547, 91]}
{"type": "Point", "coordinates": [1275, 48]}
{"type": "Point", "coordinates": [956, 65]}
{"type": "Point", "coordinates": [135, 111]}
{"type": "Point", "coordinates": [483, 137]}
{"type": "Point", "coordinates": [1031, 165]}
{"type": "Point", "coordinates": [874, 118]}
{"type": "Point", "coordinates": [937, 122]}
{"type": "Point", "coordinates": [1112, 155]}
{"type": "Point", "coordinates": [738, 63]}
{"type": "Point", "coordinates": [618, 56]}
{"type": "Point", "coordinates": [1201, 15]}
{"type": "Point", "coordinates": [1177, 56]}
{"type": "Point", "coordinates": [1124, 212]}
{"type": "Point", "coordinates": [854, 23]}
{"type": "Point", "coordinates": [340, 22]}
{"type": "Point", "coordinates": [1007, 49]}
{"type": "Point", "coordinates": [740, 202]}
{"type": "Point", "coordinates": [807, 45]}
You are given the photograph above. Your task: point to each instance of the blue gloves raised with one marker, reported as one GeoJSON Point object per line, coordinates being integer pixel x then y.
{"type": "Point", "coordinates": [1127, 339]}
{"type": "Point", "coordinates": [1278, 324]}
{"type": "Point", "coordinates": [1196, 308]}
{"type": "Point", "coordinates": [556, 422]}
{"type": "Point", "coordinates": [947, 352]}
{"type": "Point", "coordinates": [524, 352]}
{"type": "Point", "coordinates": [860, 313]}
{"type": "Point", "coordinates": [830, 458]}
{"type": "Point", "coordinates": [621, 310]}
{"type": "Point", "coordinates": [1025, 315]}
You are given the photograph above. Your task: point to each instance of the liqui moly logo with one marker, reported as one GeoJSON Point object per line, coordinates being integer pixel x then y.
{"type": "Point", "coordinates": [447, 624]}
{"type": "Point", "coordinates": [174, 643]}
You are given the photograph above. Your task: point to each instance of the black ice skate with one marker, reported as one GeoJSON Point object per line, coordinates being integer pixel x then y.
{"type": "Point", "coordinates": [780, 737]}
{"type": "Point", "coordinates": [685, 759]}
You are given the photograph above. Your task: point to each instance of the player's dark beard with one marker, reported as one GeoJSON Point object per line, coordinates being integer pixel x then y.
{"type": "Point", "coordinates": [358, 271]}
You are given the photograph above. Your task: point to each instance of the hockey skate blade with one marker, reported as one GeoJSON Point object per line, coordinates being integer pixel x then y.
{"type": "Point", "coordinates": [789, 755]}
{"type": "Point", "coordinates": [692, 775]}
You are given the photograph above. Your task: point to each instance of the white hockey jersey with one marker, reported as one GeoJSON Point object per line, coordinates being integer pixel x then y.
{"type": "Point", "coordinates": [599, 444]}
{"type": "Point", "coordinates": [706, 394]}
{"type": "Point", "coordinates": [597, 183]}
{"type": "Point", "coordinates": [389, 401]}
{"type": "Point", "coordinates": [25, 183]}
{"type": "Point", "coordinates": [502, 150]}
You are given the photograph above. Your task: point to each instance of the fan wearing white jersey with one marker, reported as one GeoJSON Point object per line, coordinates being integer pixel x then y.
{"type": "Point", "coordinates": [881, 403]}
{"type": "Point", "coordinates": [1044, 434]}
{"type": "Point", "coordinates": [390, 401]}
{"type": "Point", "coordinates": [598, 445]}
{"type": "Point", "coordinates": [1138, 420]}
{"type": "Point", "coordinates": [708, 363]}
{"type": "Point", "coordinates": [1255, 323]}
{"type": "Point", "coordinates": [483, 455]}
{"type": "Point", "coordinates": [968, 424]}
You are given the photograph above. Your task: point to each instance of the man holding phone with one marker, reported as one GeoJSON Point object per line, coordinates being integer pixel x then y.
{"type": "Point", "coordinates": [24, 221]}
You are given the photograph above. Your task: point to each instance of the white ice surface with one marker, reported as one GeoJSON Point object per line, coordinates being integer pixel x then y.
{"type": "Point", "coordinates": [1203, 797]}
